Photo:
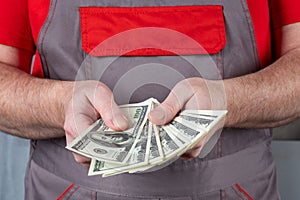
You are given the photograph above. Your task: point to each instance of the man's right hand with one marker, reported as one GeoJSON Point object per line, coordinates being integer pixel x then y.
{"type": "Point", "coordinates": [89, 101]}
{"type": "Point", "coordinates": [37, 108]}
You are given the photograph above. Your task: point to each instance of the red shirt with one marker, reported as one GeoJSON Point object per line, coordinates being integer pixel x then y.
{"type": "Point", "coordinates": [21, 21]}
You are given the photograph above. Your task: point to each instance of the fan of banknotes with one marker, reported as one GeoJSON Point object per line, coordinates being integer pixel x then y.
{"type": "Point", "coordinates": [144, 146]}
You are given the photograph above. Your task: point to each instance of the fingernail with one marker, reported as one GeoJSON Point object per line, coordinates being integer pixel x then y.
{"type": "Point", "coordinates": [157, 115]}
{"type": "Point", "coordinates": [121, 122]}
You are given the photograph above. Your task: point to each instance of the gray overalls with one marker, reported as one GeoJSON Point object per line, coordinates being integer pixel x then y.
{"type": "Point", "coordinates": [240, 166]}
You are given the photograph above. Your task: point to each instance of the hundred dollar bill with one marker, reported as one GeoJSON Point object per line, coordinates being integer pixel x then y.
{"type": "Point", "coordinates": [155, 148]}
{"type": "Point", "coordinates": [171, 145]}
{"type": "Point", "coordinates": [202, 118]}
{"type": "Point", "coordinates": [139, 157]}
{"type": "Point", "coordinates": [209, 120]}
{"type": "Point", "coordinates": [183, 131]}
{"type": "Point", "coordinates": [204, 113]}
{"type": "Point", "coordinates": [140, 153]}
{"type": "Point", "coordinates": [156, 152]}
{"type": "Point", "coordinates": [103, 143]}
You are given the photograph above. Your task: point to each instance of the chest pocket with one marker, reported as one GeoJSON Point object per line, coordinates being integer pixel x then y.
{"type": "Point", "coordinates": [152, 31]}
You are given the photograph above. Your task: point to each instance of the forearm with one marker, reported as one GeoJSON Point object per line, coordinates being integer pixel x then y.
{"type": "Point", "coordinates": [267, 98]}
{"type": "Point", "coordinates": [31, 107]}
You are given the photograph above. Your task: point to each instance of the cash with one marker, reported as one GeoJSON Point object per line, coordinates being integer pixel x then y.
{"type": "Point", "coordinates": [144, 146]}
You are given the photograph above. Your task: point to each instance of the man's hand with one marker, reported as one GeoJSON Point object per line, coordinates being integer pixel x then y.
{"type": "Point", "coordinates": [91, 100]}
{"type": "Point", "coordinates": [190, 94]}
{"type": "Point", "coordinates": [41, 108]}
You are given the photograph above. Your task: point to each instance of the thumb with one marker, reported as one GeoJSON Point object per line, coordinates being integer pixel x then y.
{"type": "Point", "coordinates": [166, 111]}
{"type": "Point", "coordinates": [176, 100]}
{"type": "Point", "coordinates": [109, 111]}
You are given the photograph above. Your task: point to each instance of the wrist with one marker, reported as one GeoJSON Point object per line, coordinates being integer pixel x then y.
{"type": "Point", "coordinates": [57, 94]}
{"type": "Point", "coordinates": [235, 98]}
{"type": "Point", "coordinates": [66, 90]}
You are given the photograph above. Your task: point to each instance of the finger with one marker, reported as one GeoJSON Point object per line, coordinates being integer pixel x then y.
{"type": "Point", "coordinates": [75, 124]}
{"type": "Point", "coordinates": [109, 111]}
{"type": "Point", "coordinates": [86, 165]}
{"type": "Point", "coordinates": [79, 116]}
{"type": "Point", "coordinates": [175, 101]}
{"type": "Point", "coordinates": [78, 158]}
{"type": "Point", "coordinates": [193, 153]}
{"type": "Point", "coordinates": [81, 159]}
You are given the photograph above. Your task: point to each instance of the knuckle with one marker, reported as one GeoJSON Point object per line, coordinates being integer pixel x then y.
{"type": "Point", "coordinates": [103, 89]}
{"type": "Point", "coordinates": [173, 107]}
{"type": "Point", "coordinates": [196, 153]}
{"type": "Point", "coordinates": [85, 165]}
{"type": "Point", "coordinates": [79, 159]}
{"type": "Point", "coordinates": [67, 129]}
{"type": "Point", "coordinates": [197, 146]}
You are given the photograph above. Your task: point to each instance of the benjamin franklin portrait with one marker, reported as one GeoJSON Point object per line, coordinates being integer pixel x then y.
{"type": "Point", "coordinates": [111, 139]}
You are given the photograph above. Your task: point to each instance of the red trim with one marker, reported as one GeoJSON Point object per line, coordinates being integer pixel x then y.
{"type": "Point", "coordinates": [38, 11]}
{"type": "Point", "coordinates": [259, 11]}
{"type": "Point", "coordinates": [151, 31]}
{"type": "Point", "coordinates": [243, 191]}
{"type": "Point", "coordinates": [65, 192]}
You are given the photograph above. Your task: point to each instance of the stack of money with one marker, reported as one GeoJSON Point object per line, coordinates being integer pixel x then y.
{"type": "Point", "coordinates": [144, 146]}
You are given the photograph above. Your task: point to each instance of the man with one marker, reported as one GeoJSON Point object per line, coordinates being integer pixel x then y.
{"type": "Point", "coordinates": [76, 48]}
